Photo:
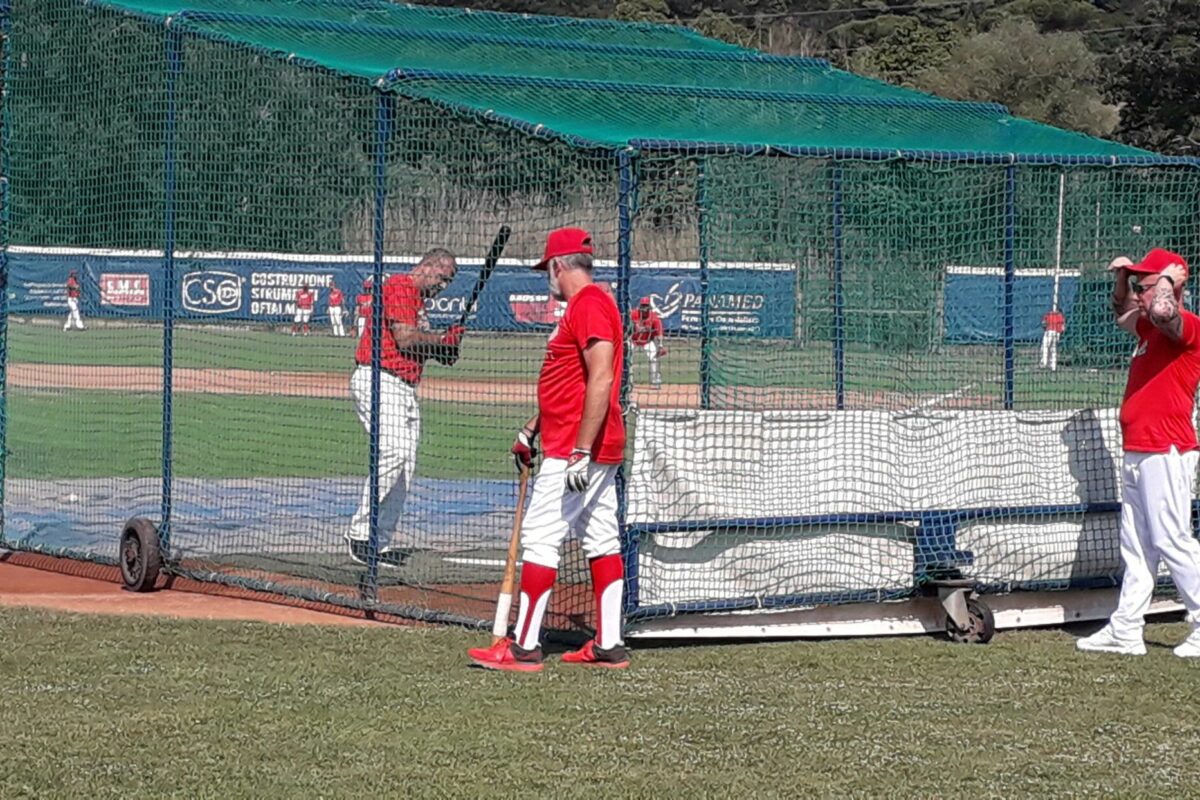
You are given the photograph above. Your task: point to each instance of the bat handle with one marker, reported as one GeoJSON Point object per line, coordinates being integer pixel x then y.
{"type": "Point", "coordinates": [504, 601]}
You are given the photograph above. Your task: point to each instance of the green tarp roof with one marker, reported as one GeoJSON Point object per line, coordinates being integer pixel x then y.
{"type": "Point", "coordinates": [612, 84]}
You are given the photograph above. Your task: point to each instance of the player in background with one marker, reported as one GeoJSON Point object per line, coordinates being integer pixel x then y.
{"type": "Point", "coordinates": [1053, 325]}
{"type": "Point", "coordinates": [405, 345]}
{"type": "Point", "coordinates": [336, 299]}
{"type": "Point", "coordinates": [1159, 466]}
{"type": "Point", "coordinates": [647, 334]}
{"type": "Point", "coordinates": [74, 292]}
{"type": "Point", "coordinates": [583, 434]}
{"type": "Point", "coordinates": [305, 300]}
{"type": "Point", "coordinates": [362, 307]}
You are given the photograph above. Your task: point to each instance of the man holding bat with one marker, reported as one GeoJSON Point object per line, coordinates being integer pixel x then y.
{"type": "Point", "coordinates": [406, 344]}
{"type": "Point", "coordinates": [583, 434]}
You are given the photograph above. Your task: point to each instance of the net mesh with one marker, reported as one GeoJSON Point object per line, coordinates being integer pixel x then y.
{"type": "Point", "coordinates": [854, 397]}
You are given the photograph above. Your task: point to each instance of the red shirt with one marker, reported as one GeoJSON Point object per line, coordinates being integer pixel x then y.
{"type": "Point", "coordinates": [645, 329]}
{"type": "Point", "coordinates": [401, 303]}
{"type": "Point", "coordinates": [1156, 413]}
{"type": "Point", "coordinates": [72, 287]}
{"type": "Point", "coordinates": [1054, 321]}
{"type": "Point", "coordinates": [304, 299]}
{"type": "Point", "coordinates": [335, 297]}
{"type": "Point", "coordinates": [364, 304]}
{"type": "Point", "coordinates": [591, 316]}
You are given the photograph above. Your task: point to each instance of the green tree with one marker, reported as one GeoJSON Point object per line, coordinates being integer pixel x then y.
{"type": "Point", "coordinates": [1048, 77]}
{"type": "Point", "coordinates": [716, 25]}
{"type": "Point", "coordinates": [896, 48]}
{"type": "Point", "coordinates": [643, 11]}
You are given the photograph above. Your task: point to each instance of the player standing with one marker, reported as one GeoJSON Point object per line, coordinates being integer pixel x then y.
{"type": "Point", "coordinates": [583, 433]}
{"type": "Point", "coordinates": [404, 347]}
{"type": "Point", "coordinates": [1053, 325]}
{"type": "Point", "coordinates": [336, 299]}
{"type": "Point", "coordinates": [362, 307]}
{"type": "Point", "coordinates": [1159, 466]}
{"type": "Point", "coordinates": [647, 333]}
{"type": "Point", "coordinates": [74, 291]}
{"type": "Point", "coordinates": [305, 300]}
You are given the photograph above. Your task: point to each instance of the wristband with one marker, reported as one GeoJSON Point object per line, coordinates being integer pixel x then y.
{"type": "Point", "coordinates": [1167, 278]}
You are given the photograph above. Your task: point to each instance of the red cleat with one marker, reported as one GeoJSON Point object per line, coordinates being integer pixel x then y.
{"type": "Point", "coordinates": [505, 655]}
{"type": "Point", "coordinates": [615, 657]}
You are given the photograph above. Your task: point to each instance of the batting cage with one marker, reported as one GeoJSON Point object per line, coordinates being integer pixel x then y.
{"type": "Point", "coordinates": [855, 397]}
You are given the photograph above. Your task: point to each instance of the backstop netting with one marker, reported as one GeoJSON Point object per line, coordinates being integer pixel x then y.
{"type": "Point", "coordinates": [854, 399]}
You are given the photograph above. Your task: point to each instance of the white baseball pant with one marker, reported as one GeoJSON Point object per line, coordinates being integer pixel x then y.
{"type": "Point", "coordinates": [335, 319]}
{"type": "Point", "coordinates": [303, 315]}
{"type": "Point", "coordinates": [554, 512]}
{"type": "Point", "coordinates": [73, 314]}
{"type": "Point", "coordinates": [360, 325]}
{"type": "Point", "coordinates": [399, 433]}
{"type": "Point", "coordinates": [650, 348]}
{"type": "Point", "coordinates": [1050, 349]}
{"type": "Point", "coordinates": [1156, 513]}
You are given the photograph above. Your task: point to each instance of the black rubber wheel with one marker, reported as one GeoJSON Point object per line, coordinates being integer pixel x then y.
{"type": "Point", "coordinates": [367, 591]}
{"type": "Point", "coordinates": [980, 629]}
{"type": "Point", "coordinates": [140, 558]}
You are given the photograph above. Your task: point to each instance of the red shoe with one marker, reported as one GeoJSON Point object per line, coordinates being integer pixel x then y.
{"type": "Point", "coordinates": [505, 655]}
{"type": "Point", "coordinates": [615, 657]}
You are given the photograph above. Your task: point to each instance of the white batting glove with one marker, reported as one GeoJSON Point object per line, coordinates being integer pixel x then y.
{"type": "Point", "coordinates": [577, 470]}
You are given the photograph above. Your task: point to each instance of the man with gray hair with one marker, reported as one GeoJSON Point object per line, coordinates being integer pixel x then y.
{"type": "Point", "coordinates": [404, 347]}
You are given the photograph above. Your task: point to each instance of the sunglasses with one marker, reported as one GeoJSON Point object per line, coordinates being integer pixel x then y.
{"type": "Point", "coordinates": [1139, 288]}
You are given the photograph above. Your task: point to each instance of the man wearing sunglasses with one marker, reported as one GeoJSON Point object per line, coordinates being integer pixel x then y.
{"type": "Point", "coordinates": [1159, 466]}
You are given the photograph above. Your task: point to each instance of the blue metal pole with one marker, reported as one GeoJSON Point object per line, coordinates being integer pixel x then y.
{"type": "Point", "coordinates": [174, 53]}
{"type": "Point", "coordinates": [385, 113]}
{"type": "Point", "coordinates": [839, 296]}
{"type": "Point", "coordinates": [1010, 280]}
{"type": "Point", "coordinates": [626, 188]}
{"type": "Point", "coordinates": [705, 340]}
{"type": "Point", "coordinates": [5, 133]}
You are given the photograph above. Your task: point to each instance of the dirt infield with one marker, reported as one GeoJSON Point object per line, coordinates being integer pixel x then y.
{"type": "Point", "coordinates": [336, 386]}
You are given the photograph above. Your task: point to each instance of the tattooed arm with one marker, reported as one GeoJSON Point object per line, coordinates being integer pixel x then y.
{"type": "Point", "coordinates": [1164, 308]}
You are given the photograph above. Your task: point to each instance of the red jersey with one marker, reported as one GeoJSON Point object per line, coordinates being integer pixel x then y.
{"type": "Point", "coordinates": [1156, 412]}
{"type": "Point", "coordinates": [305, 299]}
{"type": "Point", "coordinates": [364, 304]}
{"type": "Point", "coordinates": [1054, 321]}
{"type": "Point", "coordinates": [401, 303]}
{"type": "Point", "coordinates": [591, 315]}
{"type": "Point", "coordinates": [336, 298]}
{"type": "Point", "coordinates": [72, 287]}
{"type": "Point", "coordinates": [645, 329]}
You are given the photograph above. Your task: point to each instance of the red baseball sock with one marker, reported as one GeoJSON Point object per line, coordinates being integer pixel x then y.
{"type": "Point", "coordinates": [608, 583]}
{"type": "Point", "coordinates": [536, 583]}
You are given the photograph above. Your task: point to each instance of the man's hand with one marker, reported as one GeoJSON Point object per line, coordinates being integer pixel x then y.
{"type": "Point", "coordinates": [523, 449]}
{"type": "Point", "coordinates": [577, 470]}
{"type": "Point", "coordinates": [662, 350]}
{"type": "Point", "coordinates": [448, 345]}
{"type": "Point", "coordinates": [1176, 273]}
{"type": "Point", "coordinates": [1119, 263]}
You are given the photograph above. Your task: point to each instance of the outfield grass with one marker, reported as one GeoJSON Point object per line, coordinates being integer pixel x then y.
{"type": "Point", "coordinates": [131, 708]}
{"type": "Point", "coordinates": [83, 434]}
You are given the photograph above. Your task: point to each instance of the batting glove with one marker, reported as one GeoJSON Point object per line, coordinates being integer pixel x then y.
{"type": "Point", "coordinates": [523, 449]}
{"type": "Point", "coordinates": [577, 470]}
{"type": "Point", "coordinates": [662, 351]}
{"type": "Point", "coordinates": [448, 345]}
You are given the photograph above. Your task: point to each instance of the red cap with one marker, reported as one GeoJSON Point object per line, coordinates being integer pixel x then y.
{"type": "Point", "coordinates": [1156, 261]}
{"type": "Point", "coordinates": [565, 242]}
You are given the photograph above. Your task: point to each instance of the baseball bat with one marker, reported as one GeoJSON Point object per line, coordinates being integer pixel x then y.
{"type": "Point", "coordinates": [504, 601]}
{"type": "Point", "coordinates": [489, 265]}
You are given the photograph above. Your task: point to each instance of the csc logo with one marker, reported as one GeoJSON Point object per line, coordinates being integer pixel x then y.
{"type": "Point", "coordinates": [212, 292]}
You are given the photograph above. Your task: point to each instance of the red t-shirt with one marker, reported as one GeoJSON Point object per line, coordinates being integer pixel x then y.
{"type": "Point", "coordinates": [364, 304]}
{"type": "Point", "coordinates": [591, 316]}
{"type": "Point", "coordinates": [1156, 412]}
{"type": "Point", "coordinates": [401, 303]}
{"type": "Point", "coordinates": [1054, 321]}
{"type": "Point", "coordinates": [304, 299]}
{"type": "Point", "coordinates": [645, 329]}
{"type": "Point", "coordinates": [72, 287]}
{"type": "Point", "coordinates": [335, 298]}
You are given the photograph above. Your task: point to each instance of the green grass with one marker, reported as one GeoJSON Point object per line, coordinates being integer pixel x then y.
{"type": "Point", "coordinates": [133, 708]}
{"type": "Point", "coordinates": [62, 434]}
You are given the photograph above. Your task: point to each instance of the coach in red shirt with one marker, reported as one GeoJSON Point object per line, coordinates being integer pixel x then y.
{"type": "Point", "coordinates": [583, 435]}
{"type": "Point", "coordinates": [1159, 466]}
{"type": "Point", "coordinates": [404, 347]}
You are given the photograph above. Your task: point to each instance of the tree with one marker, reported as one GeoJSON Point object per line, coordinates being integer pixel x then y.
{"type": "Point", "coordinates": [716, 25]}
{"type": "Point", "coordinates": [1048, 77]}
{"type": "Point", "coordinates": [896, 48]}
{"type": "Point", "coordinates": [643, 11]}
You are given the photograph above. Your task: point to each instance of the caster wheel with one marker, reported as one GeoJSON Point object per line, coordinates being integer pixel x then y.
{"type": "Point", "coordinates": [980, 629]}
{"type": "Point", "coordinates": [367, 591]}
{"type": "Point", "coordinates": [140, 558]}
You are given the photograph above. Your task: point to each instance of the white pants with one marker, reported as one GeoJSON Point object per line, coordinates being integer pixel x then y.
{"type": "Point", "coordinates": [650, 348]}
{"type": "Point", "coordinates": [1050, 349]}
{"type": "Point", "coordinates": [360, 325]}
{"type": "Point", "coordinates": [554, 512]}
{"type": "Point", "coordinates": [73, 314]}
{"type": "Point", "coordinates": [335, 319]}
{"type": "Point", "coordinates": [1156, 525]}
{"type": "Point", "coordinates": [399, 433]}
{"type": "Point", "coordinates": [302, 315]}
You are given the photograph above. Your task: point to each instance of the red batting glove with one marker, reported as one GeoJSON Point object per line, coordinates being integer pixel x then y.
{"type": "Point", "coordinates": [662, 351]}
{"type": "Point", "coordinates": [453, 335]}
{"type": "Point", "coordinates": [524, 450]}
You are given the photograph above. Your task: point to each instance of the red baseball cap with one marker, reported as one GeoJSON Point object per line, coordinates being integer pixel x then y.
{"type": "Point", "coordinates": [565, 242]}
{"type": "Point", "coordinates": [1156, 261]}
